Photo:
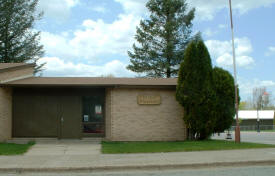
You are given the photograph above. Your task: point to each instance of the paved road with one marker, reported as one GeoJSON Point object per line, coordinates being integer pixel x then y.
{"type": "Point", "coordinates": [262, 137]}
{"type": "Point", "coordinates": [239, 171]}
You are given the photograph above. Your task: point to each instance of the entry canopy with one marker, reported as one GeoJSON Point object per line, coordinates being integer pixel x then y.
{"type": "Point", "coordinates": [92, 81]}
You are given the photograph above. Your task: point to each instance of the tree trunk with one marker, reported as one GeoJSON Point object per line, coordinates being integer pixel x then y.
{"type": "Point", "coordinates": [168, 74]}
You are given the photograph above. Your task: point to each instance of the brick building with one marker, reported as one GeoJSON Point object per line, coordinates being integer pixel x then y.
{"type": "Point", "coordinates": [117, 109]}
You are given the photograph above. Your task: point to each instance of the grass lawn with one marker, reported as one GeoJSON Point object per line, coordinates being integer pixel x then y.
{"type": "Point", "coordinates": [14, 149]}
{"type": "Point", "coordinates": [154, 147]}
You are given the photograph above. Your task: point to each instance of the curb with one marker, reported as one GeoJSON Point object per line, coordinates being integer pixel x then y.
{"type": "Point", "coordinates": [139, 167]}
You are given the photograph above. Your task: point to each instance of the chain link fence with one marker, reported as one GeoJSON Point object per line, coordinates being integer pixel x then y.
{"type": "Point", "coordinates": [255, 128]}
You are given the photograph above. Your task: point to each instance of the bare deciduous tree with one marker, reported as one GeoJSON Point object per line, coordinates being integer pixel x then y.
{"type": "Point", "coordinates": [261, 99]}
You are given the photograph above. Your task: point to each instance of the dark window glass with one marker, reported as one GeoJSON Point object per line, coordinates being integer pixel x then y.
{"type": "Point", "coordinates": [93, 117]}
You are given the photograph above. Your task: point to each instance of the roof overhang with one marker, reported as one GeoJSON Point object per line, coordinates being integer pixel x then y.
{"type": "Point", "coordinates": [93, 82]}
{"type": "Point", "coordinates": [4, 67]}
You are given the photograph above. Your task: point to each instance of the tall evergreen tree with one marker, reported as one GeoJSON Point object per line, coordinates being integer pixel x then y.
{"type": "Point", "coordinates": [223, 82]}
{"type": "Point", "coordinates": [195, 91]}
{"type": "Point", "coordinates": [18, 42]}
{"type": "Point", "coordinates": [162, 38]}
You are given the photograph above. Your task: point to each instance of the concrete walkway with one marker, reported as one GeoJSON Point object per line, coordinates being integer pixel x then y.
{"type": "Point", "coordinates": [86, 156]}
{"type": "Point", "coordinates": [64, 148]}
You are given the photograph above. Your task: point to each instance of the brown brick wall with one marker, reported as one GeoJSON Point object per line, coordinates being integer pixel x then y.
{"type": "Point", "coordinates": [5, 113]}
{"type": "Point", "coordinates": [16, 74]}
{"type": "Point", "coordinates": [6, 99]}
{"type": "Point", "coordinates": [133, 122]}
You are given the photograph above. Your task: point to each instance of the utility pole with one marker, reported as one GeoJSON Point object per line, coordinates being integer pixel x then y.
{"type": "Point", "coordinates": [237, 129]}
{"type": "Point", "coordinates": [258, 121]}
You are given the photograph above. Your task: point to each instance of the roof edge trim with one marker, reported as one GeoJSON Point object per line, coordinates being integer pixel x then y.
{"type": "Point", "coordinates": [16, 67]}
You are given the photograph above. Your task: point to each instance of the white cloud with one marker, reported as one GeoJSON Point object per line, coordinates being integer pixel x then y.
{"type": "Point", "coordinates": [94, 39]}
{"type": "Point", "coordinates": [210, 32]}
{"type": "Point", "coordinates": [136, 7]}
{"type": "Point", "coordinates": [58, 9]}
{"type": "Point", "coordinates": [225, 60]}
{"type": "Point", "coordinates": [271, 51]}
{"type": "Point", "coordinates": [221, 52]}
{"type": "Point", "coordinates": [244, 61]}
{"type": "Point", "coordinates": [268, 83]}
{"type": "Point", "coordinates": [243, 46]}
{"type": "Point", "coordinates": [206, 10]}
{"type": "Point", "coordinates": [57, 45]}
{"type": "Point", "coordinates": [71, 3]}
{"type": "Point", "coordinates": [100, 37]}
{"type": "Point", "coordinates": [217, 47]}
{"type": "Point", "coordinates": [58, 67]}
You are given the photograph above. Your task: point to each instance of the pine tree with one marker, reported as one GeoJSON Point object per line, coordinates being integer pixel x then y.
{"type": "Point", "coordinates": [162, 38]}
{"type": "Point", "coordinates": [18, 41]}
{"type": "Point", "coordinates": [195, 91]}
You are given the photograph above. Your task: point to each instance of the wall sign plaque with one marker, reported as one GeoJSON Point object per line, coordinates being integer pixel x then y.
{"type": "Point", "coordinates": [149, 99]}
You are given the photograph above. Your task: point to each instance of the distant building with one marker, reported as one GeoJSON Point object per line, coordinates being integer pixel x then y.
{"type": "Point", "coordinates": [249, 117]}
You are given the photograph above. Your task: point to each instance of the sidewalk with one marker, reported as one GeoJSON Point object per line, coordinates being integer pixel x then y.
{"type": "Point", "coordinates": [67, 160]}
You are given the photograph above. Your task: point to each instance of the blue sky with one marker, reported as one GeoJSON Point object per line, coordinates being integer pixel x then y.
{"type": "Point", "coordinates": [92, 37]}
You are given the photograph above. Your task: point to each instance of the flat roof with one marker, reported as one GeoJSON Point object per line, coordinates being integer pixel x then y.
{"type": "Point", "coordinates": [91, 81]}
{"type": "Point", "coordinates": [252, 114]}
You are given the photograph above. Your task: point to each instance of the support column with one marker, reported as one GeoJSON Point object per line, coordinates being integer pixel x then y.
{"type": "Point", "coordinates": [5, 113]}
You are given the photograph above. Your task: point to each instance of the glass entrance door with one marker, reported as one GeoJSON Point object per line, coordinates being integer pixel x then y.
{"type": "Point", "coordinates": [93, 116]}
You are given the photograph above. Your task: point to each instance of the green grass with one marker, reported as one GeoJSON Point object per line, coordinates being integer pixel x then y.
{"type": "Point", "coordinates": [14, 149]}
{"type": "Point", "coordinates": [155, 147]}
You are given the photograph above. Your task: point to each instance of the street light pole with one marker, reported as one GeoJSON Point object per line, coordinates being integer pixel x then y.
{"type": "Point", "coordinates": [237, 129]}
{"type": "Point", "coordinates": [258, 121]}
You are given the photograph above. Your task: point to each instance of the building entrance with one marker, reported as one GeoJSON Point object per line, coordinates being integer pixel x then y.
{"type": "Point", "coordinates": [93, 116]}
